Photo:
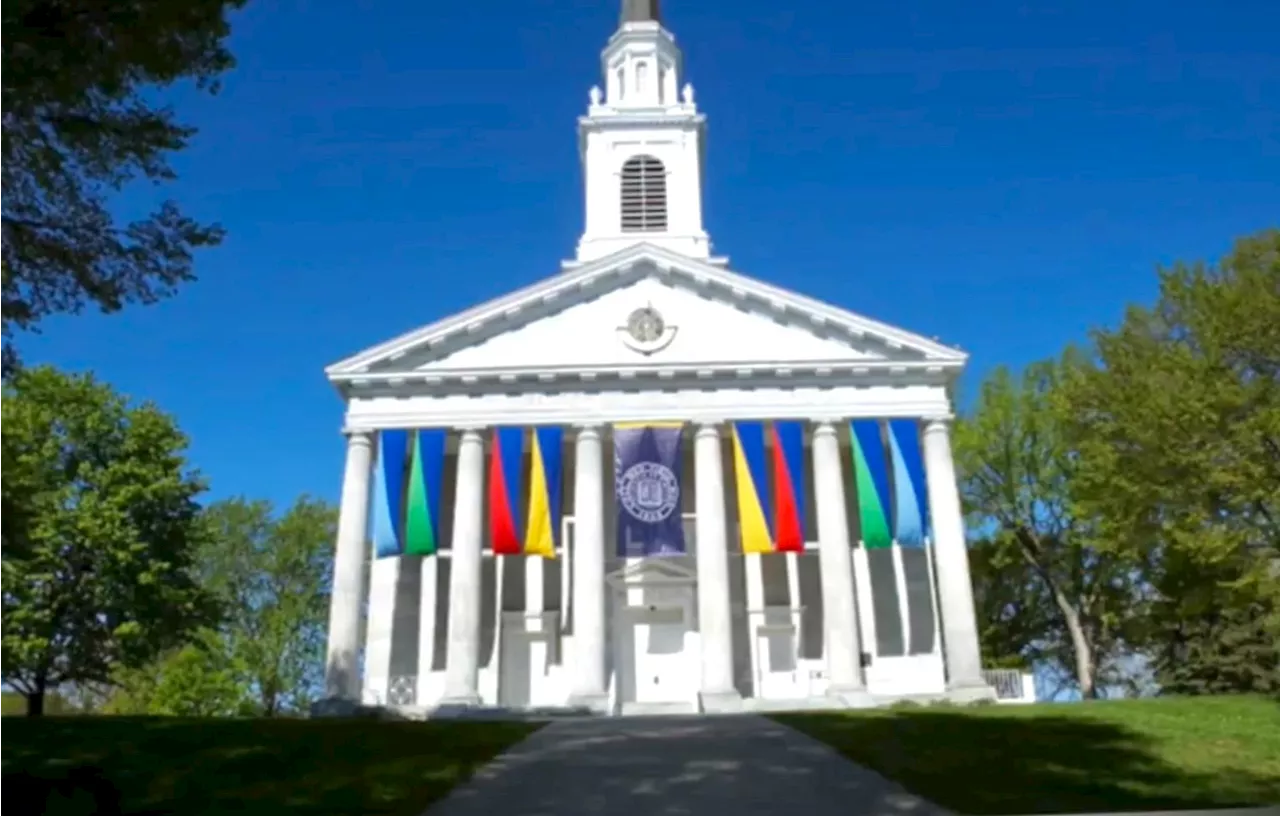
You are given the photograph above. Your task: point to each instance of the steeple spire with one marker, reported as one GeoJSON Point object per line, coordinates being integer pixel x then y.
{"type": "Point", "coordinates": [641, 144]}
{"type": "Point", "coordinates": [640, 11]}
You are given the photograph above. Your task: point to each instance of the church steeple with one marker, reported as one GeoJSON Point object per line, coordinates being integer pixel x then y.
{"type": "Point", "coordinates": [639, 11]}
{"type": "Point", "coordinates": [641, 143]}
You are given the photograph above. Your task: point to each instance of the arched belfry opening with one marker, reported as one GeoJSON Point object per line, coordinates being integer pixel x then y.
{"type": "Point", "coordinates": [644, 195]}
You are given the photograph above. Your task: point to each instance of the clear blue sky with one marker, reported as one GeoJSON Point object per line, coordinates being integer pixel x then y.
{"type": "Point", "coordinates": [1003, 175]}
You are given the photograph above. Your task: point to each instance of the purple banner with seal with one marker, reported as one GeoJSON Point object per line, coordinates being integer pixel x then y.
{"type": "Point", "coordinates": [647, 468]}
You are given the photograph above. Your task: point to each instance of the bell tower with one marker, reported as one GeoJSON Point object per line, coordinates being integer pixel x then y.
{"type": "Point", "coordinates": [641, 143]}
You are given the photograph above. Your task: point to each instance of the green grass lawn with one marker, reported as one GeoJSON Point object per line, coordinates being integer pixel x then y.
{"type": "Point", "coordinates": [259, 766]}
{"type": "Point", "coordinates": [1157, 754]}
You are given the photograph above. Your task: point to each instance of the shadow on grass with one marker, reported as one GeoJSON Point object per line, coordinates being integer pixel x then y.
{"type": "Point", "coordinates": [1158, 755]}
{"type": "Point", "coordinates": [996, 760]}
{"type": "Point", "coordinates": [176, 766]}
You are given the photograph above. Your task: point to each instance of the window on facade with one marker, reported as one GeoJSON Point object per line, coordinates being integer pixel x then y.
{"type": "Point", "coordinates": [644, 195]}
{"type": "Point", "coordinates": [622, 83]}
{"type": "Point", "coordinates": [642, 75]}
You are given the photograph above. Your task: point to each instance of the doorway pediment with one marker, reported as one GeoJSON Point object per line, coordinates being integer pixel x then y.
{"type": "Point", "coordinates": [652, 571]}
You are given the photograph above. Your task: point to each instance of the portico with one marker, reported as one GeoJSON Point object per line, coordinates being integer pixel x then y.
{"type": "Point", "coordinates": [491, 503]}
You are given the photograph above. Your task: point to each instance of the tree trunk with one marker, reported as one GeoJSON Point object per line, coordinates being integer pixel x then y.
{"type": "Point", "coordinates": [1031, 547]}
{"type": "Point", "coordinates": [35, 702]}
{"type": "Point", "coordinates": [1081, 647]}
{"type": "Point", "coordinates": [270, 700]}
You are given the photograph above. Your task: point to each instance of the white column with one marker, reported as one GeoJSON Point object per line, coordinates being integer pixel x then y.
{"type": "Point", "coordinates": [715, 624]}
{"type": "Point", "coordinates": [951, 560]}
{"type": "Point", "coordinates": [839, 613]}
{"type": "Point", "coordinates": [589, 684]}
{"type": "Point", "coordinates": [341, 675]}
{"type": "Point", "coordinates": [462, 667]}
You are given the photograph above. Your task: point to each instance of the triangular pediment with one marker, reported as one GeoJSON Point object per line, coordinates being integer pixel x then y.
{"type": "Point", "coordinates": [706, 318]}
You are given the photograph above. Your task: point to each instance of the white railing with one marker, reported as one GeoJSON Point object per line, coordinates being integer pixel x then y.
{"type": "Point", "coordinates": [1011, 685]}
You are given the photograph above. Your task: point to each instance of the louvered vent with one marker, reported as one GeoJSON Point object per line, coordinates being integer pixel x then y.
{"type": "Point", "coordinates": [644, 195]}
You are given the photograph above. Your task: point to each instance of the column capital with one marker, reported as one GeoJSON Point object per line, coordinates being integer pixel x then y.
{"type": "Point", "coordinates": [709, 428]}
{"type": "Point", "coordinates": [589, 429]}
{"type": "Point", "coordinates": [936, 425]}
{"type": "Point", "coordinates": [824, 427]}
{"type": "Point", "coordinates": [470, 434]}
{"type": "Point", "coordinates": [358, 436]}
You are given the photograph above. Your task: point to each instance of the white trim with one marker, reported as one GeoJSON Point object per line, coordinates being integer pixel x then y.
{"type": "Point", "coordinates": [900, 590]}
{"type": "Point", "coordinates": [934, 599]}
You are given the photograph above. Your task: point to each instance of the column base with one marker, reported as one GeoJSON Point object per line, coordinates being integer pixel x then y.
{"type": "Point", "coordinates": [728, 701]}
{"type": "Point", "coordinates": [972, 692]}
{"type": "Point", "coordinates": [851, 696]}
{"type": "Point", "coordinates": [595, 702]}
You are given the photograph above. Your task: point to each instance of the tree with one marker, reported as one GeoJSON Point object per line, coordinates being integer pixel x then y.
{"type": "Point", "coordinates": [79, 125]}
{"type": "Point", "coordinates": [197, 679]}
{"type": "Point", "coordinates": [1178, 430]}
{"type": "Point", "coordinates": [1013, 611]}
{"type": "Point", "coordinates": [1057, 594]}
{"type": "Point", "coordinates": [99, 524]}
{"type": "Point", "coordinates": [271, 576]}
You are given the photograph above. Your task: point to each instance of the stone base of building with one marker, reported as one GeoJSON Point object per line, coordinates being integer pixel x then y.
{"type": "Point", "coordinates": [854, 697]}
{"type": "Point", "coordinates": [343, 708]}
{"type": "Point", "coordinates": [335, 707]}
{"type": "Point", "coordinates": [461, 701]}
{"type": "Point", "coordinates": [594, 703]}
{"type": "Point", "coordinates": [971, 693]}
{"type": "Point", "coordinates": [723, 703]}
{"type": "Point", "coordinates": [719, 702]}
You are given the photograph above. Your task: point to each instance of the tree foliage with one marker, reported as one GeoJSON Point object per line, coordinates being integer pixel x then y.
{"type": "Point", "coordinates": [1178, 432]}
{"type": "Point", "coordinates": [79, 124]}
{"type": "Point", "coordinates": [1013, 611]}
{"type": "Point", "coordinates": [271, 575]}
{"type": "Point", "coordinates": [193, 680]}
{"type": "Point", "coordinates": [100, 524]}
{"type": "Point", "coordinates": [1044, 587]}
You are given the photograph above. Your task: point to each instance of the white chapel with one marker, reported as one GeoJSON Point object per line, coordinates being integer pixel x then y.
{"type": "Point", "coordinates": [647, 483]}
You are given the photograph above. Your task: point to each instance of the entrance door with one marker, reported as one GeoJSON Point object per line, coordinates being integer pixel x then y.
{"type": "Point", "coordinates": [660, 667]}
{"type": "Point", "coordinates": [776, 652]}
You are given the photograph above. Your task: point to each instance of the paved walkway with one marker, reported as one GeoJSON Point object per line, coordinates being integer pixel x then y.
{"type": "Point", "coordinates": [661, 766]}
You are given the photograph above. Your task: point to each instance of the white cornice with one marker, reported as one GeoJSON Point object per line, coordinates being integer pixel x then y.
{"type": "Point", "coordinates": [661, 371]}
{"type": "Point", "coordinates": [720, 402]}
{"type": "Point", "coordinates": [587, 275]}
{"type": "Point", "coordinates": [606, 117]}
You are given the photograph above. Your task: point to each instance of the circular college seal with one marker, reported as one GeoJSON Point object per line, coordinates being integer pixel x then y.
{"type": "Point", "coordinates": [645, 325]}
{"type": "Point", "coordinates": [649, 491]}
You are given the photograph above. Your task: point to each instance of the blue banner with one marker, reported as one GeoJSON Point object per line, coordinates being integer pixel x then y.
{"type": "Point", "coordinates": [647, 465]}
